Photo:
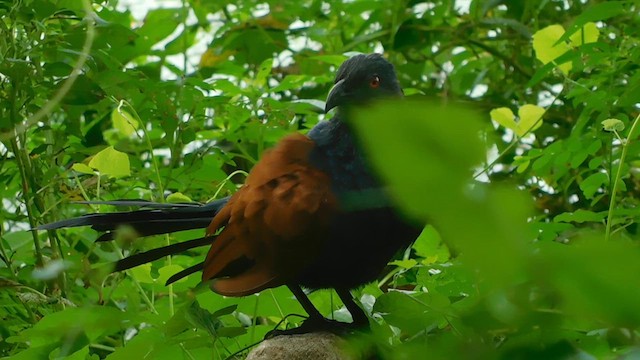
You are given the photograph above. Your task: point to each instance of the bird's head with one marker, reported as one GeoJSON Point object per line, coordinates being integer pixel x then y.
{"type": "Point", "coordinates": [361, 79]}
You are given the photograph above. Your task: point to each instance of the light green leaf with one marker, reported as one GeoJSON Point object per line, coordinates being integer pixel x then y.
{"type": "Point", "coordinates": [178, 197]}
{"type": "Point", "coordinates": [429, 246]}
{"type": "Point", "coordinates": [168, 271]}
{"type": "Point", "coordinates": [588, 34]}
{"type": "Point", "coordinates": [591, 184]}
{"type": "Point", "coordinates": [580, 216]}
{"type": "Point", "coordinates": [544, 44]}
{"type": "Point", "coordinates": [405, 264]}
{"type": "Point", "coordinates": [522, 163]}
{"type": "Point", "coordinates": [523, 166]}
{"type": "Point", "coordinates": [612, 125]}
{"type": "Point", "coordinates": [530, 119]}
{"type": "Point", "coordinates": [124, 122]}
{"type": "Point", "coordinates": [83, 168]}
{"type": "Point", "coordinates": [265, 70]}
{"type": "Point", "coordinates": [111, 162]}
{"type": "Point", "coordinates": [505, 117]}
{"type": "Point", "coordinates": [142, 274]}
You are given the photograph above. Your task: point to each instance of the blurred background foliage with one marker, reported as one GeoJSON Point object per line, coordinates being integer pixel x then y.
{"type": "Point", "coordinates": [532, 248]}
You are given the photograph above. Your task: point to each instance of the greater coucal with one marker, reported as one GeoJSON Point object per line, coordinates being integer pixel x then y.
{"type": "Point", "coordinates": [311, 213]}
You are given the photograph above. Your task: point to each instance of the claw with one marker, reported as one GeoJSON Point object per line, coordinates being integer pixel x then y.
{"type": "Point", "coordinates": [314, 324]}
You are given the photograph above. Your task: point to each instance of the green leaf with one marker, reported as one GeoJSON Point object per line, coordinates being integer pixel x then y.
{"type": "Point", "coordinates": [82, 168]}
{"type": "Point", "coordinates": [423, 143]}
{"type": "Point", "coordinates": [71, 323]}
{"type": "Point", "coordinates": [405, 264]}
{"type": "Point", "coordinates": [425, 153]}
{"type": "Point", "coordinates": [178, 197]}
{"type": "Point", "coordinates": [530, 119]}
{"type": "Point", "coordinates": [111, 162]}
{"type": "Point", "coordinates": [85, 91]}
{"type": "Point", "coordinates": [142, 274]}
{"type": "Point", "coordinates": [593, 279]}
{"type": "Point", "coordinates": [588, 34]}
{"type": "Point", "coordinates": [581, 216]}
{"type": "Point", "coordinates": [263, 72]}
{"type": "Point", "coordinates": [413, 313]}
{"type": "Point", "coordinates": [612, 125]}
{"type": "Point", "coordinates": [505, 117]}
{"type": "Point", "coordinates": [124, 122]}
{"type": "Point", "coordinates": [430, 247]}
{"type": "Point", "coordinates": [593, 183]}
{"type": "Point", "coordinates": [168, 271]}
{"type": "Point", "coordinates": [597, 12]}
{"type": "Point", "coordinates": [547, 48]}
{"type": "Point", "coordinates": [522, 163]}
{"type": "Point", "coordinates": [158, 24]}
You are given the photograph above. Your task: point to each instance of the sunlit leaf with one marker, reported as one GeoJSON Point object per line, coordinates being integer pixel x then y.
{"type": "Point", "coordinates": [612, 125]}
{"type": "Point", "coordinates": [178, 197]}
{"type": "Point", "coordinates": [263, 72]}
{"type": "Point", "coordinates": [505, 117]}
{"type": "Point", "coordinates": [588, 34]}
{"type": "Point", "coordinates": [545, 43]}
{"type": "Point", "coordinates": [530, 119]}
{"type": "Point", "coordinates": [168, 271]}
{"type": "Point", "coordinates": [142, 274]}
{"type": "Point", "coordinates": [124, 122]}
{"type": "Point", "coordinates": [406, 264]}
{"type": "Point", "coordinates": [111, 162]}
{"type": "Point", "coordinates": [82, 168]}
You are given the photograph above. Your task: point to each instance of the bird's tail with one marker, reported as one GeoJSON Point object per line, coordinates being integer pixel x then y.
{"type": "Point", "coordinates": [151, 219]}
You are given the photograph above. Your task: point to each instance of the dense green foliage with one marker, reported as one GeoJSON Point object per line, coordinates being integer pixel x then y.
{"type": "Point", "coordinates": [535, 255]}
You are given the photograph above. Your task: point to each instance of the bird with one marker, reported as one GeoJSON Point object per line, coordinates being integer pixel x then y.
{"type": "Point", "coordinates": [312, 213]}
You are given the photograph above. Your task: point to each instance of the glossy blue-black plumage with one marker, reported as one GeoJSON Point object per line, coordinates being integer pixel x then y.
{"type": "Point", "coordinates": [361, 239]}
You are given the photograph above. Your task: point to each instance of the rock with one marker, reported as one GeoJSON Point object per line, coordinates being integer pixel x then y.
{"type": "Point", "coordinates": [312, 346]}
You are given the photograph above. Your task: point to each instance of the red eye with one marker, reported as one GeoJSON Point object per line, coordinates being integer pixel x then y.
{"type": "Point", "coordinates": [375, 82]}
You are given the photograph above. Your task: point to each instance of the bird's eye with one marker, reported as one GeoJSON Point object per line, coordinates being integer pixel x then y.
{"type": "Point", "coordinates": [375, 82]}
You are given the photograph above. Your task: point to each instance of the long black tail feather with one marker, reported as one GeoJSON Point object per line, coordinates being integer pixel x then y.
{"type": "Point", "coordinates": [154, 219]}
{"type": "Point", "coordinates": [155, 254]}
{"type": "Point", "coordinates": [155, 227]}
{"type": "Point", "coordinates": [184, 273]}
{"type": "Point", "coordinates": [151, 219]}
{"type": "Point", "coordinates": [141, 203]}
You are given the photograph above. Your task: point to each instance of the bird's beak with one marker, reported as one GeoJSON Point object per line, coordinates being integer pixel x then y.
{"type": "Point", "coordinates": [336, 96]}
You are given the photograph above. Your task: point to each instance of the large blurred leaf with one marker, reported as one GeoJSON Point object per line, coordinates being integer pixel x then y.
{"type": "Point", "coordinates": [426, 152]}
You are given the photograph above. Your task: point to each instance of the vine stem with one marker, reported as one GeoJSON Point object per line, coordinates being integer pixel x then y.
{"type": "Point", "coordinates": [612, 202]}
{"type": "Point", "coordinates": [156, 170]}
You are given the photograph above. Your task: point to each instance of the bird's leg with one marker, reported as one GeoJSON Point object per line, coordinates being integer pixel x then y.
{"type": "Point", "coordinates": [358, 315]}
{"type": "Point", "coordinates": [303, 299]}
{"type": "Point", "coordinates": [317, 322]}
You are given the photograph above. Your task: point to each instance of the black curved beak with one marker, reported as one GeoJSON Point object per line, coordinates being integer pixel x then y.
{"type": "Point", "coordinates": [336, 96]}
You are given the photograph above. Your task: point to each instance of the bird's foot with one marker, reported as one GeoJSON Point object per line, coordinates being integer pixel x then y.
{"type": "Point", "coordinates": [322, 324]}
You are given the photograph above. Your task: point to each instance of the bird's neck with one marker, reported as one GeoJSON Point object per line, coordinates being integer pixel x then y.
{"type": "Point", "coordinates": [337, 153]}
{"type": "Point", "coordinates": [334, 137]}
